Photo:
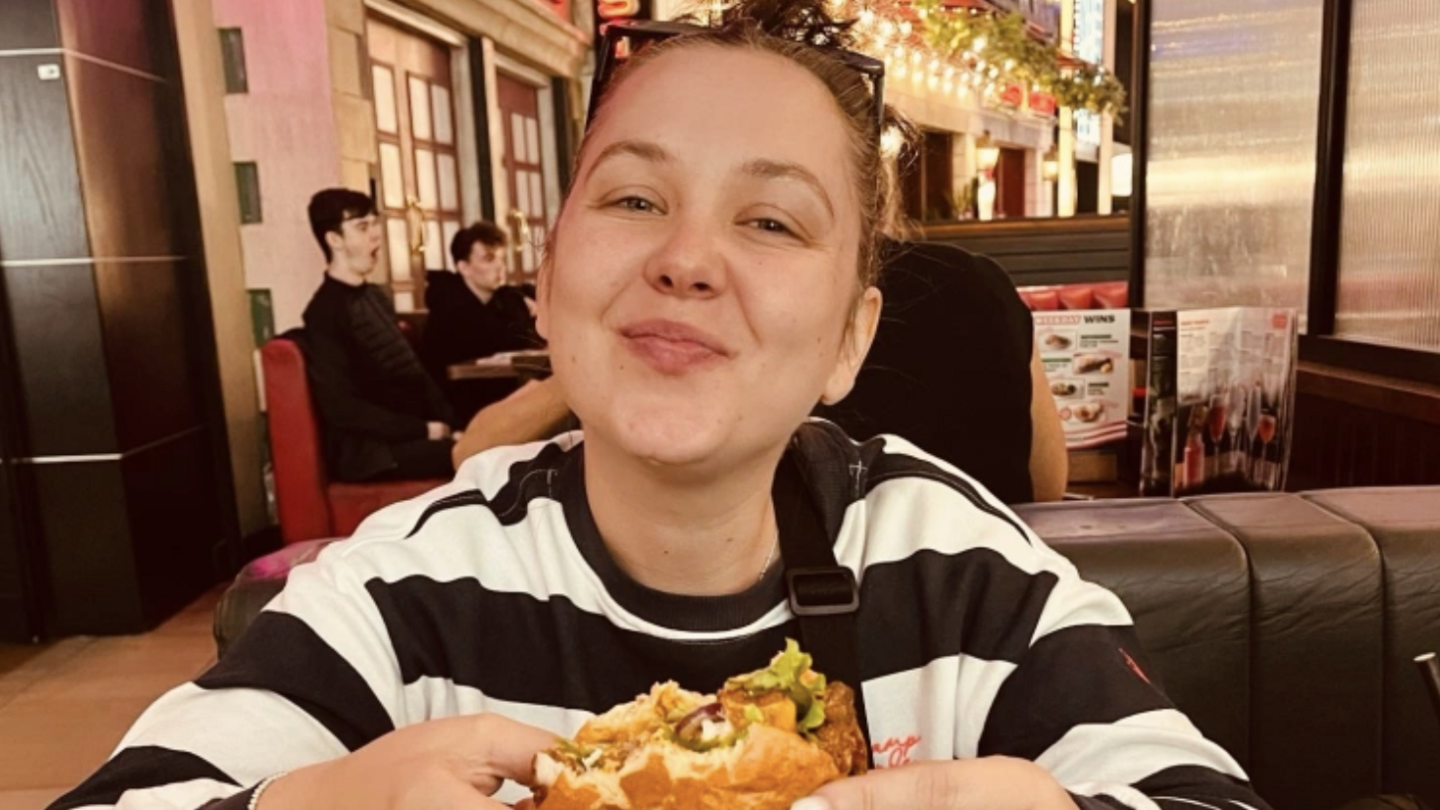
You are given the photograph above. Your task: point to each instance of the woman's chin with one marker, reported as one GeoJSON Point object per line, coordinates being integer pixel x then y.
{"type": "Point", "coordinates": [677, 443]}
{"type": "Point", "coordinates": [689, 432]}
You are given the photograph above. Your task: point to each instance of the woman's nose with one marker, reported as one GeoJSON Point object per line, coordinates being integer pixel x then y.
{"type": "Point", "coordinates": [689, 264]}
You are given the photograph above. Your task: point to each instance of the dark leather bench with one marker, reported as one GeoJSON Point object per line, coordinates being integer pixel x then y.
{"type": "Point", "coordinates": [1284, 625]}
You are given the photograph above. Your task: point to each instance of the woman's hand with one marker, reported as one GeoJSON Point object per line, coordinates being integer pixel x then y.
{"type": "Point", "coordinates": [990, 783]}
{"type": "Point", "coordinates": [457, 762]}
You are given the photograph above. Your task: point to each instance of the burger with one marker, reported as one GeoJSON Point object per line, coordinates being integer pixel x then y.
{"type": "Point", "coordinates": [763, 741]}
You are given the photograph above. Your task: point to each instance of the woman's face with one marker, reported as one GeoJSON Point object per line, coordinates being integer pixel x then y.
{"type": "Point", "coordinates": [703, 273]}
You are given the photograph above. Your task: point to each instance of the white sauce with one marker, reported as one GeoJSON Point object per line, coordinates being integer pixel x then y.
{"type": "Point", "coordinates": [711, 730]}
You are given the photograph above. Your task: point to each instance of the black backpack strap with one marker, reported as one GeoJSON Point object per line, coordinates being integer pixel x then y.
{"type": "Point", "coordinates": [825, 598]}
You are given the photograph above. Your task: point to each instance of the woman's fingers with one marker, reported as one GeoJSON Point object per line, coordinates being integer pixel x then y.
{"type": "Point", "coordinates": [921, 786]}
{"type": "Point", "coordinates": [507, 750]}
{"type": "Point", "coordinates": [976, 784]}
{"type": "Point", "coordinates": [454, 795]}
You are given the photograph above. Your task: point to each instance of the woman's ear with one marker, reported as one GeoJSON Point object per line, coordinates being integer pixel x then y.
{"type": "Point", "coordinates": [864, 320]}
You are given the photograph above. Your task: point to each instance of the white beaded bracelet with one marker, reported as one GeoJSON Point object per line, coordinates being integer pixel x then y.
{"type": "Point", "coordinates": [259, 789]}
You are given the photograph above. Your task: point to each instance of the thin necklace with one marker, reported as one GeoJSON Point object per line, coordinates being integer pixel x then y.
{"type": "Point", "coordinates": [769, 558]}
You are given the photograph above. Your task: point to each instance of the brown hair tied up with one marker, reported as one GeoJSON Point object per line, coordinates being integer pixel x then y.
{"type": "Point", "coordinates": [803, 32]}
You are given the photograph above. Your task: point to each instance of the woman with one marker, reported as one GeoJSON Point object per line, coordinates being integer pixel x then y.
{"type": "Point", "coordinates": [710, 279]}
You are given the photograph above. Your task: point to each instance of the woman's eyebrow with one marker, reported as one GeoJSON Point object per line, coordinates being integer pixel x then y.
{"type": "Point", "coordinates": [644, 150]}
{"type": "Point", "coordinates": [781, 170]}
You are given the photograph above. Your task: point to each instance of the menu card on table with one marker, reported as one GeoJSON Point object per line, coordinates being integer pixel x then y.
{"type": "Point", "coordinates": [1220, 395]}
{"type": "Point", "coordinates": [1086, 355]}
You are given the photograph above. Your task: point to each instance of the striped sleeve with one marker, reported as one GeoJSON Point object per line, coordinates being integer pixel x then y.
{"type": "Point", "coordinates": [1081, 703]}
{"type": "Point", "coordinates": [313, 679]}
{"type": "Point", "coordinates": [1049, 667]}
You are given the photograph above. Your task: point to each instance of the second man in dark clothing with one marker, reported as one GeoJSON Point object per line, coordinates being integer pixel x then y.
{"type": "Point", "coordinates": [473, 314]}
{"type": "Point", "coordinates": [381, 414]}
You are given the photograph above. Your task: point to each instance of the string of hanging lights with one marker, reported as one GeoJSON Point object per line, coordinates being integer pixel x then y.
{"type": "Point", "coordinates": [989, 55]}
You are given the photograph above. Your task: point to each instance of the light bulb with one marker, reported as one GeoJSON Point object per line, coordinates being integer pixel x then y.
{"type": "Point", "coordinates": [1009, 64]}
{"type": "Point", "coordinates": [949, 71]}
{"type": "Point", "coordinates": [905, 28]}
{"type": "Point", "coordinates": [890, 142]}
{"type": "Point", "coordinates": [948, 86]}
{"type": "Point", "coordinates": [916, 58]}
{"type": "Point", "coordinates": [978, 45]}
{"type": "Point", "coordinates": [932, 81]}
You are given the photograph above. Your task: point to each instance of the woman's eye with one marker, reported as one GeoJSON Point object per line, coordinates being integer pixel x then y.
{"type": "Point", "coordinates": [638, 204]}
{"type": "Point", "coordinates": [771, 226]}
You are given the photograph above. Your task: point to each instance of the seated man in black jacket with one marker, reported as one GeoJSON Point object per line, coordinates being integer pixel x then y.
{"type": "Point", "coordinates": [472, 314]}
{"type": "Point", "coordinates": [381, 415]}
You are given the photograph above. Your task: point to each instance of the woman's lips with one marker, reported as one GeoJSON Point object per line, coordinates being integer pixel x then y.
{"type": "Point", "coordinates": [671, 347]}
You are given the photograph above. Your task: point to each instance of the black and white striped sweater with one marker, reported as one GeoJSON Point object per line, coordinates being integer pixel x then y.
{"type": "Point", "coordinates": [495, 593]}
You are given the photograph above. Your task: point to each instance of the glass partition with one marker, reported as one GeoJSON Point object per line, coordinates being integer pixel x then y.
{"type": "Point", "coordinates": [1234, 99]}
{"type": "Point", "coordinates": [1388, 288]}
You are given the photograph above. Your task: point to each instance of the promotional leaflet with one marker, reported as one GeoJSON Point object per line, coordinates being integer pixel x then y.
{"type": "Point", "coordinates": [1086, 355]}
{"type": "Point", "coordinates": [1219, 403]}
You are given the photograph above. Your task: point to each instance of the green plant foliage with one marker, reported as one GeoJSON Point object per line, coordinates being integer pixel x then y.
{"type": "Point", "coordinates": [1000, 47]}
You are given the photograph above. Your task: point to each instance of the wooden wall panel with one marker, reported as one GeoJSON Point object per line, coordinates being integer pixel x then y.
{"type": "Point", "coordinates": [28, 24]}
{"type": "Point", "coordinates": [171, 499]}
{"type": "Point", "coordinates": [85, 527]}
{"type": "Point", "coordinates": [42, 214]}
{"type": "Point", "coordinates": [1354, 429]}
{"type": "Point", "coordinates": [15, 619]}
{"type": "Point", "coordinates": [55, 323]}
{"type": "Point", "coordinates": [125, 32]}
{"type": "Point", "coordinates": [153, 387]}
{"type": "Point", "coordinates": [1338, 444]}
{"type": "Point", "coordinates": [1046, 251]}
{"type": "Point", "coordinates": [123, 162]}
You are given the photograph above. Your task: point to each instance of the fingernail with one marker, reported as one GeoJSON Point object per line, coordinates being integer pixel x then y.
{"type": "Point", "coordinates": [811, 803]}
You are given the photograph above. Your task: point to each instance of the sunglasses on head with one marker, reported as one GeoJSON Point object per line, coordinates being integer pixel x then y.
{"type": "Point", "coordinates": [634, 35]}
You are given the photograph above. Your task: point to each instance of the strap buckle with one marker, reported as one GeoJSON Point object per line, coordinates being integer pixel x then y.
{"type": "Point", "coordinates": [822, 591]}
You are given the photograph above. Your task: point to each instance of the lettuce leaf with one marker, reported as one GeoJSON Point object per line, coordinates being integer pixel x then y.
{"type": "Point", "coordinates": [789, 672]}
{"type": "Point", "coordinates": [814, 718]}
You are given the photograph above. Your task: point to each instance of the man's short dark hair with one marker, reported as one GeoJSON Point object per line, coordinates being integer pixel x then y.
{"type": "Point", "coordinates": [486, 233]}
{"type": "Point", "coordinates": [329, 209]}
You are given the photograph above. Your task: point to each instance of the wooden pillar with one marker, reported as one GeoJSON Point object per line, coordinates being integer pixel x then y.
{"type": "Point", "coordinates": [106, 310]}
{"type": "Point", "coordinates": [1066, 186]}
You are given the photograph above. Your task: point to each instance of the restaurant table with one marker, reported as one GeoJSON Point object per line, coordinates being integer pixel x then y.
{"type": "Point", "coordinates": [524, 365]}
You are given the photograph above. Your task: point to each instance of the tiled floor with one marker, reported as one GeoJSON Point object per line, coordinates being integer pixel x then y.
{"type": "Point", "coordinates": [64, 706]}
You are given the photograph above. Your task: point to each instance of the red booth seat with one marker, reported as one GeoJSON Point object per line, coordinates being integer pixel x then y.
{"type": "Point", "coordinates": [1108, 295]}
{"type": "Point", "coordinates": [310, 505]}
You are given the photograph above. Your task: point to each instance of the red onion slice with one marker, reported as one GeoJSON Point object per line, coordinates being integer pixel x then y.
{"type": "Point", "coordinates": [691, 725]}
